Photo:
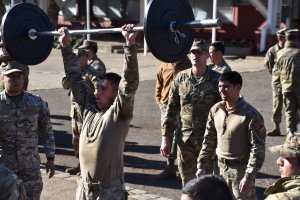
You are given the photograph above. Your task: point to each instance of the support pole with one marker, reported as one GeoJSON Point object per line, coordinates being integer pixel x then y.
{"type": "Point", "coordinates": [214, 16]}
{"type": "Point", "coordinates": [88, 19]}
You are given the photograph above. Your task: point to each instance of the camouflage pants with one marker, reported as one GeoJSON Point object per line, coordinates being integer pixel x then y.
{"type": "Point", "coordinates": [233, 173]}
{"type": "Point", "coordinates": [76, 129]}
{"type": "Point", "coordinates": [277, 99]}
{"type": "Point", "coordinates": [173, 152]}
{"type": "Point", "coordinates": [112, 193]}
{"type": "Point", "coordinates": [187, 155]}
{"type": "Point", "coordinates": [11, 187]}
{"type": "Point", "coordinates": [292, 106]}
{"type": "Point", "coordinates": [32, 181]}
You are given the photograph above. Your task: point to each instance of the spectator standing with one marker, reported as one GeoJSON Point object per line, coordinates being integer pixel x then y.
{"type": "Point", "coordinates": [236, 130]}
{"type": "Point", "coordinates": [289, 68]}
{"type": "Point", "coordinates": [270, 64]}
{"type": "Point", "coordinates": [193, 92]}
{"type": "Point", "coordinates": [164, 77]}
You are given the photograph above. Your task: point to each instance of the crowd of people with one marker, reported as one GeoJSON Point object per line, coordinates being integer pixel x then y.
{"type": "Point", "coordinates": [217, 137]}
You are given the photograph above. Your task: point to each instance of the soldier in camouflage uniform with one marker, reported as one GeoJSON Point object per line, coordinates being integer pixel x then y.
{"type": "Point", "coordinates": [164, 77]}
{"type": "Point", "coordinates": [288, 64]}
{"type": "Point", "coordinates": [288, 186]}
{"type": "Point", "coordinates": [91, 77]}
{"type": "Point", "coordinates": [4, 58]}
{"type": "Point", "coordinates": [24, 121]}
{"type": "Point", "coordinates": [270, 64]}
{"type": "Point", "coordinates": [236, 130]}
{"type": "Point", "coordinates": [11, 187]}
{"type": "Point", "coordinates": [193, 92]}
{"type": "Point", "coordinates": [94, 60]}
{"type": "Point", "coordinates": [216, 52]}
{"type": "Point", "coordinates": [106, 118]}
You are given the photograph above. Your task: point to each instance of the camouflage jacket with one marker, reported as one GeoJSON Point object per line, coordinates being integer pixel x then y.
{"type": "Point", "coordinates": [103, 134]}
{"type": "Point", "coordinates": [97, 63]}
{"type": "Point", "coordinates": [221, 68]}
{"type": "Point", "coordinates": [236, 135]}
{"type": "Point", "coordinates": [91, 78]}
{"type": "Point", "coordinates": [192, 99]}
{"type": "Point", "coordinates": [284, 188]}
{"type": "Point", "coordinates": [21, 129]}
{"type": "Point", "coordinates": [289, 66]}
{"type": "Point", "coordinates": [271, 59]}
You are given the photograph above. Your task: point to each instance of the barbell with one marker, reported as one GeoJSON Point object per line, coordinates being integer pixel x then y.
{"type": "Point", "coordinates": [169, 29]}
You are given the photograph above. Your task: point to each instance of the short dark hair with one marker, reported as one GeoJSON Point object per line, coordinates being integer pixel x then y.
{"type": "Point", "coordinates": [232, 76]}
{"type": "Point", "coordinates": [113, 77]}
{"type": "Point", "coordinates": [219, 46]}
{"type": "Point", "coordinates": [207, 187]}
{"type": "Point", "coordinates": [94, 48]}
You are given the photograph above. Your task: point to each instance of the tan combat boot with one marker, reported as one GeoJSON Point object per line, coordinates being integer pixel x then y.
{"type": "Point", "coordinates": [275, 131]}
{"type": "Point", "coordinates": [169, 172]}
{"type": "Point", "coordinates": [73, 170]}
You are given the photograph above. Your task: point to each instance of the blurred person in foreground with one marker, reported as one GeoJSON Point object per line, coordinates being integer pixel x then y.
{"type": "Point", "coordinates": [288, 186]}
{"type": "Point", "coordinates": [106, 117]}
{"type": "Point", "coordinates": [207, 187]}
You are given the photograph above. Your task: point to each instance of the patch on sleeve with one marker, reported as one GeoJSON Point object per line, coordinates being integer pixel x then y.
{"type": "Point", "coordinates": [258, 124]}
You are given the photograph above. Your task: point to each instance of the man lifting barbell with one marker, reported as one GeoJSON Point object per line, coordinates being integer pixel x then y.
{"type": "Point", "coordinates": [106, 118]}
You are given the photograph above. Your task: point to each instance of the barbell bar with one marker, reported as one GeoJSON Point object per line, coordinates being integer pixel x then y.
{"type": "Point", "coordinates": [32, 33]}
{"type": "Point", "coordinates": [169, 29]}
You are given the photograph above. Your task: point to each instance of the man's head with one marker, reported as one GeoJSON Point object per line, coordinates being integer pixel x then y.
{"type": "Point", "coordinates": [216, 52]}
{"type": "Point", "coordinates": [199, 53]}
{"type": "Point", "coordinates": [107, 90]}
{"type": "Point", "coordinates": [82, 55]}
{"type": "Point", "coordinates": [292, 35]}
{"type": "Point", "coordinates": [289, 156]}
{"type": "Point", "coordinates": [280, 34]}
{"type": "Point", "coordinates": [13, 77]}
{"type": "Point", "coordinates": [230, 84]}
{"type": "Point", "coordinates": [207, 187]}
{"type": "Point", "coordinates": [91, 48]}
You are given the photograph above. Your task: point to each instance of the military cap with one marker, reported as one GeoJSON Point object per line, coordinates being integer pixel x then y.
{"type": "Point", "coordinates": [81, 52]}
{"type": "Point", "coordinates": [87, 44]}
{"type": "Point", "coordinates": [200, 46]}
{"type": "Point", "coordinates": [12, 66]}
{"type": "Point", "coordinates": [281, 32]}
{"type": "Point", "coordinates": [292, 32]}
{"type": "Point", "coordinates": [290, 148]}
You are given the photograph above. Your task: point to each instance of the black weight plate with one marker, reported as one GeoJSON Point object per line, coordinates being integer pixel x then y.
{"type": "Point", "coordinates": [159, 38]}
{"type": "Point", "coordinates": [15, 26]}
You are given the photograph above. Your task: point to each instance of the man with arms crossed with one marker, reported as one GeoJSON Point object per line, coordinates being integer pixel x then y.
{"type": "Point", "coordinates": [236, 130]}
{"type": "Point", "coordinates": [106, 118]}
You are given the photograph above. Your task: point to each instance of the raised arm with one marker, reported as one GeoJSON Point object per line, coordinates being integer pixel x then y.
{"type": "Point", "coordinates": [83, 95]}
{"type": "Point", "coordinates": [130, 80]}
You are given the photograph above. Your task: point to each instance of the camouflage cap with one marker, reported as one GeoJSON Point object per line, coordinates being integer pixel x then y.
{"type": "Point", "coordinates": [200, 46]}
{"type": "Point", "coordinates": [12, 66]}
{"type": "Point", "coordinates": [292, 32]}
{"type": "Point", "coordinates": [290, 148]}
{"type": "Point", "coordinates": [81, 52]}
{"type": "Point", "coordinates": [87, 44]}
{"type": "Point", "coordinates": [281, 32]}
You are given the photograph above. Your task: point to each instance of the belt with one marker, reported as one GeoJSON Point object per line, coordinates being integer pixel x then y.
{"type": "Point", "coordinates": [234, 161]}
{"type": "Point", "coordinates": [101, 185]}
